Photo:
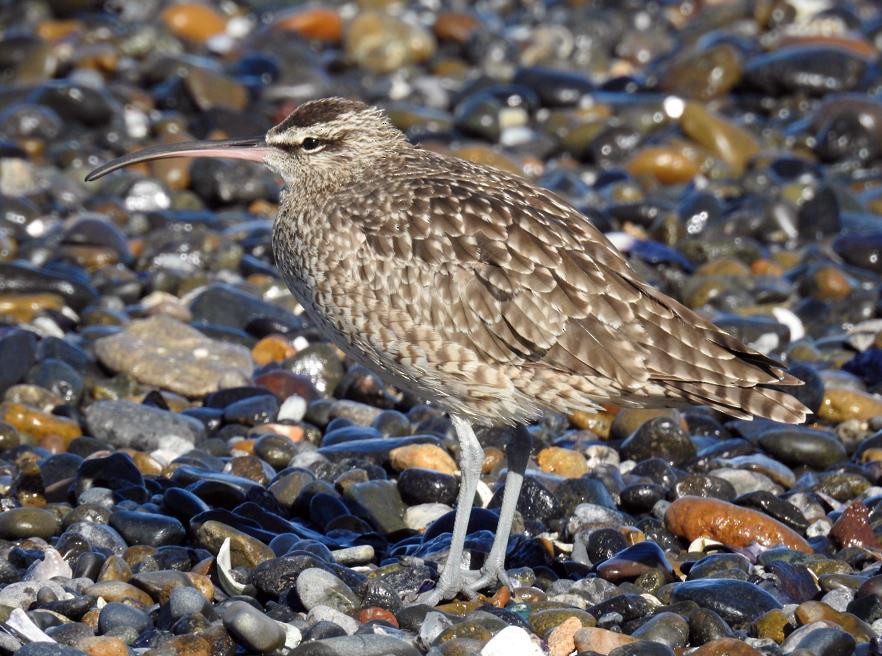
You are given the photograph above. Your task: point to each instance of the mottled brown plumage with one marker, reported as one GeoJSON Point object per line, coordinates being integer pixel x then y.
{"type": "Point", "coordinates": [489, 295]}
{"type": "Point", "coordinates": [480, 291]}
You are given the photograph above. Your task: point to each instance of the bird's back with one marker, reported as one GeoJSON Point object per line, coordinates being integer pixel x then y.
{"type": "Point", "coordinates": [496, 298]}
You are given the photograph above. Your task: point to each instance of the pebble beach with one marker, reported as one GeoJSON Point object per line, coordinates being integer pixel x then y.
{"type": "Point", "coordinates": [187, 468]}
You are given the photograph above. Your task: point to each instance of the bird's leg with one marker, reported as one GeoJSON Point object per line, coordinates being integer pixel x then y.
{"type": "Point", "coordinates": [471, 460]}
{"type": "Point", "coordinates": [517, 455]}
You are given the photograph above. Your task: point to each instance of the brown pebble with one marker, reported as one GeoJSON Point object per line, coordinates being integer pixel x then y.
{"type": "Point", "coordinates": [315, 23]}
{"type": "Point", "coordinates": [666, 164]}
{"type": "Point", "coordinates": [599, 423]}
{"type": "Point", "coordinates": [563, 462]}
{"type": "Point", "coordinates": [773, 625]}
{"type": "Point", "coordinates": [455, 26]}
{"type": "Point", "coordinates": [272, 348]}
{"type": "Point", "coordinates": [601, 641]}
{"type": "Point", "coordinates": [853, 529]}
{"type": "Point", "coordinates": [725, 647]}
{"type": "Point", "coordinates": [499, 599]}
{"type": "Point", "coordinates": [103, 646]}
{"type": "Point", "coordinates": [119, 591]}
{"type": "Point", "coordinates": [115, 569]}
{"type": "Point", "coordinates": [693, 517]}
{"type": "Point", "coordinates": [38, 424]}
{"type": "Point", "coordinates": [187, 645]}
{"type": "Point", "coordinates": [560, 640]}
{"type": "Point", "coordinates": [371, 613]}
{"type": "Point", "coordinates": [425, 456]}
{"type": "Point", "coordinates": [843, 404]}
{"type": "Point", "coordinates": [829, 283]}
{"type": "Point", "coordinates": [194, 21]}
{"type": "Point", "coordinates": [726, 140]}
{"type": "Point", "coordinates": [816, 611]}
{"type": "Point", "coordinates": [55, 30]}
{"type": "Point", "coordinates": [24, 307]}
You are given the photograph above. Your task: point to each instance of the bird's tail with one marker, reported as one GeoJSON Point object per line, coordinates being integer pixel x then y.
{"type": "Point", "coordinates": [744, 402]}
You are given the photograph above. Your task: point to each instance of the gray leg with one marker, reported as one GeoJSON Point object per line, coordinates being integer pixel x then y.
{"type": "Point", "coordinates": [518, 453]}
{"type": "Point", "coordinates": [471, 459]}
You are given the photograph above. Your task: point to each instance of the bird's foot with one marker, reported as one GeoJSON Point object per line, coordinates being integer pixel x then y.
{"type": "Point", "coordinates": [469, 583]}
{"type": "Point", "coordinates": [489, 575]}
{"type": "Point", "coordinates": [445, 590]}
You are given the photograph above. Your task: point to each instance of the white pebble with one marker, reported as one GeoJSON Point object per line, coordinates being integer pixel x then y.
{"type": "Point", "coordinates": [420, 516]}
{"type": "Point", "coordinates": [511, 641]}
{"type": "Point", "coordinates": [293, 409]}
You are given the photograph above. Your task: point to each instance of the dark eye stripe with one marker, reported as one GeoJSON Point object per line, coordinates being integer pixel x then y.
{"type": "Point", "coordinates": [294, 147]}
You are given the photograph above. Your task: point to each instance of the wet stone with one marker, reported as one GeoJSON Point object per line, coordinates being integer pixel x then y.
{"type": "Point", "coordinates": [147, 528]}
{"type": "Point", "coordinates": [252, 628]}
{"type": "Point", "coordinates": [803, 446]}
{"type": "Point", "coordinates": [17, 352]}
{"type": "Point", "coordinates": [694, 517]}
{"type": "Point", "coordinates": [28, 522]}
{"type": "Point", "coordinates": [124, 424]}
{"type": "Point", "coordinates": [737, 602]}
{"type": "Point", "coordinates": [418, 485]}
{"type": "Point", "coordinates": [316, 587]}
{"type": "Point", "coordinates": [659, 437]}
{"type": "Point", "coordinates": [201, 365]}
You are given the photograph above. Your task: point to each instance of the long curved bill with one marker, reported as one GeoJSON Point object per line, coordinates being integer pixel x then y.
{"type": "Point", "coordinates": [251, 149]}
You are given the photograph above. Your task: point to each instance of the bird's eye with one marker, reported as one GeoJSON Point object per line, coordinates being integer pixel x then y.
{"type": "Point", "coordinates": [311, 144]}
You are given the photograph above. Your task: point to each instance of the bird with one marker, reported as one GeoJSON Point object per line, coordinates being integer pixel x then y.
{"type": "Point", "coordinates": [481, 292]}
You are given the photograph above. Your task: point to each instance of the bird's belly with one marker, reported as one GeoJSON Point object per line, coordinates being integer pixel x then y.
{"type": "Point", "coordinates": [412, 357]}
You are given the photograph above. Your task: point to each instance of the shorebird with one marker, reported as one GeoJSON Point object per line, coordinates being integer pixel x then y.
{"type": "Point", "coordinates": [480, 291]}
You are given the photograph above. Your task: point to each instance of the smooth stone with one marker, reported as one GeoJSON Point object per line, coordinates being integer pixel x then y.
{"type": "Point", "coordinates": [536, 501]}
{"type": "Point", "coordinates": [20, 278]}
{"type": "Point", "coordinates": [667, 628]}
{"type": "Point", "coordinates": [202, 365]}
{"type": "Point", "coordinates": [38, 424]}
{"type": "Point", "coordinates": [183, 601]}
{"type": "Point", "coordinates": [843, 404]}
{"type": "Point", "coordinates": [795, 445]}
{"type": "Point", "coordinates": [812, 69]}
{"type": "Point", "coordinates": [819, 638]}
{"type": "Point", "coordinates": [694, 517]}
{"type": "Point", "coordinates": [379, 503]}
{"type": "Point", "coordinates": [318, 614]}
{"type": "Point", "coordinates": [511, 641]}
{"type": "Point", "coordinates": [634, 561]}
{"type": "Point", "coordinates": [425, 456]}
{"type": "Point", "coordinates": [726, 140]}
{"type": "Point", "coordinates": [252, 628]}
{"type": "Point", "coordinates": [17, 353]}
{"type": "Point", "coordinates": [245, 551]}
{"type": "Point", "coordinates": [418, 486]}
{"type": "Point", "coordinates": [600, 641]}
{"type": "Point", "coordinates": [118, 591]}
{"type": "Point", "coordinates": [737, 602]}
{"type": "Point", "coordinates": [317, 587]}
{"type": "Point", "coordinates": [17, 523]}
{"type": "Point", "coordinates": [99, 536]}
{"type": "Point", "coordinates": [382, 43]}
{"type": "Point", "coordinates": [23, 594]}
{"type": "Point", "coordinates": [660, 437]}
{"type": "Point", "coordinates": [114, 472]}
{"type": "Point", "coordinates": [124, 424]}
{"type": "Point", "coordinates": [148, 528]}
{"type": "Point", "coordinates": [357, 645]}
{"type": "Point", "coordinates": [48, 649]}
{"type": "Point", "coordinates": [563, 462]}
{"type": "Point", "coordinates": [252, 411]}
{"type": "Point", "coordinates": [117, 615]}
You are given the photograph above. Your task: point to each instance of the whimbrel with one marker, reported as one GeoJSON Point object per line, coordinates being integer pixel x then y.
{"type": "Point", "coordinates": [479, 291]}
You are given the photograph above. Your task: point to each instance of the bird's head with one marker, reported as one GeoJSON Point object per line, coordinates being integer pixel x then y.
{"type": "Point", "coordinates": [321, 144]}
